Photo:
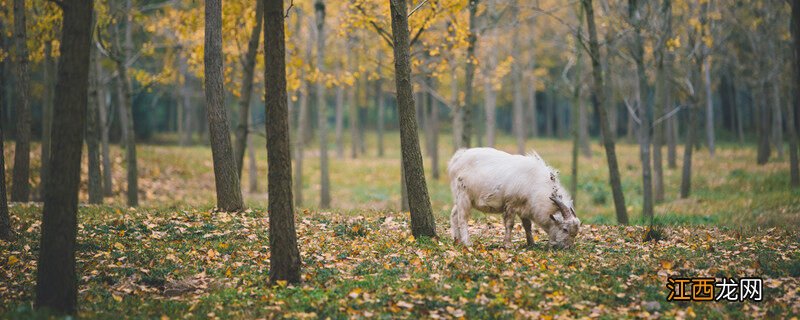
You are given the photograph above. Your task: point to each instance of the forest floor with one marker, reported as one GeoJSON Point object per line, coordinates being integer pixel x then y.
{"type": "Point", "coordinates": [175, 257]}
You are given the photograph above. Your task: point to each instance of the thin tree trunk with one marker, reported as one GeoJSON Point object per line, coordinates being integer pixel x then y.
{"type": "Point", "coordinates": [129, 136]}
{"type": "Point", "coordinates": [644, 112]}
{"type": "Point", "coordinates": [672, 130]}
{"type": "Point", "coordinates": [252, 170]}
{"type": "Point", "coordinates": [422, 222]}
{"type": "Point", "coordinates": [20, 184]}
{"type": "Point", "coordinates": [576, 104]}
{"type": "Point", "coordinates": [226, 178]}
{"type": "Point", "coordinates": [188, 109]}
{"type": "Point", "coordinates": [339, 121]}
{"type": "Point", "coordinates": [92, 134]}
{"type": "Point", "coordinates": [57, 281]}
{"type": "Point", "coordinates": [710, 138]}
{"type": "Point", "coordinates": [285, 256]}
{"type": "Point", "coordinates": [777, 120]}
{"type": "Point", "coordinates": [465, 112]}
{"type": "Point", "coordinates": [248, 69]}
{"type": "Point", "coordinates": [686, 178]}
{"type": "Point", "coordinates": [362, 117]}
{"type": "Point", "coordinates": [352, 109]}
{"type": "Point", "coordinates": [6, 233]}
{"type": "Point", "coordinates": [104, 123]}
{"type": "Point", "coordinates": [490, 94]}
{"type": "Point", "coordinates": [433, 126]}
{"type": "Point", "coordinates": [124, 90]}
{"type": "Point", "coordinates": [763, 118]}
{"type": "Point", "coordinates": [793, 106]}
{"type": "Point", "coordinates": [661, 101]}
{"type": "Point", "coordinates": [47, 112]}
{"type": "Point", "coordinates": [381, 102]}
{"type": "Point", "coordinates": [322, 109]}
{"type": "Point", "coordinates": [302, 124]}
{"type": "Point", "coordinates": [598, 97]}
{"type": "Point", "coordinates": [518, 111]}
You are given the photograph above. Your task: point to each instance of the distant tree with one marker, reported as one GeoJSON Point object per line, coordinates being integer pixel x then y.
{"type": "Point", "coordinates": [285, 257]}
{"type": "Point", "coordinates": [422, 222]}
{"type": "Point", "coordinates": [229, 192]}
{"type": "Point", "coordinates": [598, 96]}
{"type": "Point", "coordinates": [322, 108]}
{"type": "Point", "coordinates": [462, 119]}
{"type": "Point", "coordinates": [20, 184]}
{"type": "Point", "coordinates": [57, 281]}
{"type": "Point", "coordinates": [248, 67]}
{"type": "Point", "coordinates": [104, 125]}
{"type": "Point", "coordinates": [518, 115]}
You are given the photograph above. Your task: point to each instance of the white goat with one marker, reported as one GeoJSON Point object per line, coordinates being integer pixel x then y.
{"type": "Point", "coordinates": [493, 181]}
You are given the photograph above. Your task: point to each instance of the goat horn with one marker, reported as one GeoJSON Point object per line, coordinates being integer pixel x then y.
{"type": "Point", "coordinates": [564, 209]}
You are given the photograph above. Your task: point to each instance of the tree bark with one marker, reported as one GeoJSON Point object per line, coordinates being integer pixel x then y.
{"type": "Point", "coordinates": [92, 134]}
{"type": "Point", "coordinates": [322, 109]}
{"type": "Point", "coordinates": [598, 97]}
{"type": "Point", "coordinates": [56, 281]}
{"type": "Point", "coordinates": [226, 178]}
{"type": "Point", "coordinates": [686, 177]}
{"type": "Point", "coordinates": [129, 135]}
{"type": "Point", "coordinates": [490, 94]}
{"type": "Point", "coordinates": [422, 222]}
{"type": "Point", "coordinates": [20, 184]}
{"type": "Point", "coordinates": [285, 256]}
{"type": "Point", "coordinates": [248, 69]}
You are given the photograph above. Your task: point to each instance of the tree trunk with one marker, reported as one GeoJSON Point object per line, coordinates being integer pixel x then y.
{"type": "Point", "coordinates": [339, 130]}
{"type": "Point", "coordinates": [47, 112]}
{"type": "Point", "coordinates": [686, 178]}
{"type": "Point", "coordinates": [465, 112]}
{"type": "Point", "coordinates": [709, 107]}
{"type": "Point", "coordinates": [104, 124]}
{"type": "Point", "coordinates": [777, 120]}
{"type": "Point", "coordinates": [188, 109]}
{"type": "Point", "coordinates": [381, 102]}
{"type": "Point", "coordinates": [56, 281]}
{"type": "Point", "coordinates": [252, 171]}
{"type": "Point", "coordinates": [576, 105]}
{"type": "Point", "coordinates": [125, 94]}
{"type": "Point", "coordinates": [433, 127]}
{"type": "Point", "coordinates": [226, 178]}
{"type": "Point", "coordinates": [793, 107]}
{"type": "Point", "coordinates": [644, 112]}
{"type": "Point", "coordinates": [302, 124]}
{"type": "Point", "coordinates": [518, 112]}
{"type": "Point", "coordinates": [129, 135]}
{"type": "Point", "coordinates": [20, 184]}
{"type": "Point", "coordinates": [6, 233]}
{"type": "Point", "coordinates": [598, 97]}
{"type": "Point", "coordinates": [671, 129]}
{"type": "Point", "coordinates": [92, 134]}
{"type": "Point", "coordinates": [490, 94]}
{"type": "Point", "coordinates": [661, 101]}
{"type": "Point", "coordinates": [422, 222]}
{"type": "Point", "coordinates": [353, 117]}
{"type": "Point", "coordinates": [285, 256]}
{"type": "Point", "coordinates": [763, 118]}
{"type": "Point", "coordinates": [322, 109]}
{"type": "Point", "coordinates": [248, 69]}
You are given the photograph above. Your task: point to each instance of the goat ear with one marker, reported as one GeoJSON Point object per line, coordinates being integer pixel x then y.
{"type": "Point", "coordinates": [553, 216]}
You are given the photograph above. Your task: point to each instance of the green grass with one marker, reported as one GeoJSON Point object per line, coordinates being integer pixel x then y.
{"type": "Point", "coordinates": [359, 260]}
